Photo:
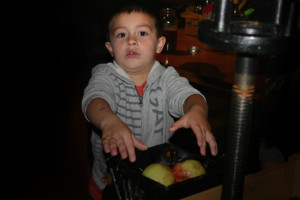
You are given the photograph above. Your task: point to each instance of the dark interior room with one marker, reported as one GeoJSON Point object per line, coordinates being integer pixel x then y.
{"type": "Point", "coordinates": [51, 156]}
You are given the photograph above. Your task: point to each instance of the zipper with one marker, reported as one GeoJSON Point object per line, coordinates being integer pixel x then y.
{"type": "Point", "coordinates": [140, 97]}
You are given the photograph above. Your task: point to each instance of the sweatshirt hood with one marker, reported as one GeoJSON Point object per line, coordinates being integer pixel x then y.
{"type": "Point", "coordinates": [155, 72]}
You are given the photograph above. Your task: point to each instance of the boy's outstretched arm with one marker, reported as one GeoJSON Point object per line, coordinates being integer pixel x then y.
{"type": "Point", "coordinates": [195, 117]}
{"type": "Point", "coordinates": [116, 136]}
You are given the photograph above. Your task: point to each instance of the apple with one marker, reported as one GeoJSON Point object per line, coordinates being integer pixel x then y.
{"type": "Point", "coordinates": [160, 173]}
{"type": "Point", "coordinates": [187, 169]}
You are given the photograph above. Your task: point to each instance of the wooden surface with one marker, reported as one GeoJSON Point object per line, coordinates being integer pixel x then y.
{"type": "Point", "coordinates": [281, 182]}
{"type": "Point", "coordinates": [212, 63]}
{"type": "Point", "coordinates": [266, 184]}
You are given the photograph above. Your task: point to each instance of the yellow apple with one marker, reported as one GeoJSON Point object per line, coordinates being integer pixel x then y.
{"type": "Point", "coordinates": [187, 169]}
{"type": "Point", "coordinates": [160, 173]}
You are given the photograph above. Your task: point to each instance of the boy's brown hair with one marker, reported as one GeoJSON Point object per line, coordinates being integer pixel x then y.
{"type": "Point", "coordinates": [129, 6]}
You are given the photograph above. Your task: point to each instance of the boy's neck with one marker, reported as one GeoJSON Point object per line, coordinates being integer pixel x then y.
{"type": "Point", "coordinates": [139, 79]}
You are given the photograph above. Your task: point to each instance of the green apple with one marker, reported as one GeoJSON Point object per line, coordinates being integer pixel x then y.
{"type": "Point", "coordinates": [160, 173]}
{"type": "Point", "coordinates": [187, 169]}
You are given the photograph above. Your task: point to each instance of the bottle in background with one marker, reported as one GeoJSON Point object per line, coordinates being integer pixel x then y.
{"type": "Point", "coordinates": [170, 26]}
{"type": "Point", "coordinates": [207, 7]}
{"type": "Point", "coordinates": [235, 9]}
{"type": "Point", "coordinates": [198, 5]}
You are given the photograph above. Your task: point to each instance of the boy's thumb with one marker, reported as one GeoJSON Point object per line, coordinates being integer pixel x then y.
{"type": "Point", "coordinates": [175, 126]}
{"type": "Point", "coordinates": [138, 144]}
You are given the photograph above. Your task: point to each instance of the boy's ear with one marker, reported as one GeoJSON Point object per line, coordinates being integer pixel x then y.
{"type": "Point", "coordinates": [160, 44]}
{"type": "Point", "coordinates": [109, 48]}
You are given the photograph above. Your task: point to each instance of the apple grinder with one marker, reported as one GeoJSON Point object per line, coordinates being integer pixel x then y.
{"type": "Point", "coordinates": [127, 182]}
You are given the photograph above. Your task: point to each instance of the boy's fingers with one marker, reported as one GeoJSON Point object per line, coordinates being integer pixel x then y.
{"type": "Point", "coordinates": [207, 137]}
{"type": "Point", "coordinates": [112, 147]}
{"type": "Point", "coordinates": [131, 154]}
{"type": "Point", "coordinates": [105, 146]}
{"type": "Point", "coordinates": [203, 148]}
{"type": "Point", "coordinates": [130, 148]}
{"type": "Point", "coordinates": [213, 145]}
{"type": "Point", "coordinates": [200, 135]}
{"type": "Point", "coordinates": [122, 149]}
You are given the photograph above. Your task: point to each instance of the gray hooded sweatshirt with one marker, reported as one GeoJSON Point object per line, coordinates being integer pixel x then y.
{"type": "Point", "coordinates": [149, 117]}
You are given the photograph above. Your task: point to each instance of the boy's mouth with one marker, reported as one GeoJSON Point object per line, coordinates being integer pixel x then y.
{"type": "Point", "coordinates": [132, 53]}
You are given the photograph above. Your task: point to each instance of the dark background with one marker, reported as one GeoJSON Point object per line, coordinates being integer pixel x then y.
{"type": "Point", "coordinates": [52, 46]}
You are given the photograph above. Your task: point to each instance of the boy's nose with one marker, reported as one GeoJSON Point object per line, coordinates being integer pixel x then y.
{"type": "Point", "coordinates": [131, 40]}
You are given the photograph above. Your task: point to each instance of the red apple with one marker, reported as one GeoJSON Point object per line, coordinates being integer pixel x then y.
{"type": "Point", "coordinates": [187, 169]}
{"type": "Point", "coordinates": [160, 173]}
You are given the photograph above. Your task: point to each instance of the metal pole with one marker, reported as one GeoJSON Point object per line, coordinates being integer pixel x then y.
{"type": "Point", "coordinates": [239, 127]}
{"type": "Point", "coordinates": [221, 15]}
{"type": "Point", "coordinates": [278, 17]}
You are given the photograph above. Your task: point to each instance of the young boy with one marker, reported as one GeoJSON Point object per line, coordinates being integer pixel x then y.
{"type": "Point", "coordinates": [134, 99]}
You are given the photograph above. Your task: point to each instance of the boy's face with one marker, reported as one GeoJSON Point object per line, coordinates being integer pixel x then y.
{"type": "Point", "coordinates": [134, 41]}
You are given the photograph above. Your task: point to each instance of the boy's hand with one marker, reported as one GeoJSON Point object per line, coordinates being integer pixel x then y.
{"type": "Point", "coordinates": [117, 138]}
{"type": "Point", "coordinates": [195, 118]}
{"type": "Point", "coordinates": [201, 129]}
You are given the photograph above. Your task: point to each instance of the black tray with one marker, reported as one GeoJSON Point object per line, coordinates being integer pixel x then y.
{"type": "Point", "coordinates": [129, 183]}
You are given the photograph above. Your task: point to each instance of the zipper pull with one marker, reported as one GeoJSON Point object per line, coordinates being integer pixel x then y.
{"type": "Point", "coordinates": [141, 101]}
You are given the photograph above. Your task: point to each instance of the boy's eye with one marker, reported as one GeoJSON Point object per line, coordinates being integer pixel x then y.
{"type": "Point", "coordinates": [120, 35]}
{"type": "Point", "coordinates": [143, 33]}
